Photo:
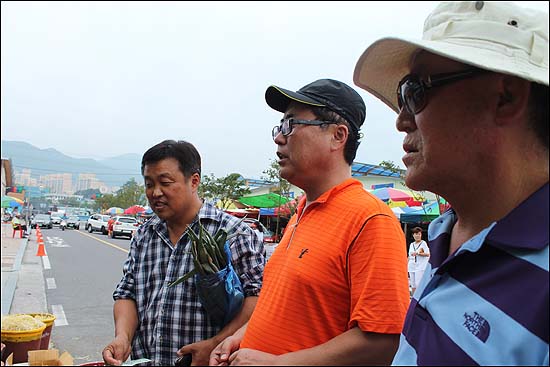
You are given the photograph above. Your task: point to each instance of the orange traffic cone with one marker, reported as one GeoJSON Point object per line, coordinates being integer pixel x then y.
{"type": "Point", "coordinates": [41, 249]}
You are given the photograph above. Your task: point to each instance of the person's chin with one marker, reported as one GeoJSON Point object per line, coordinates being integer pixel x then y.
{"type": "Point", "coordinates": [286, 173]}
{"type": "Point", "coordinates": [413, 179]}
{"type": "Point", "coordinates": [163, 213]}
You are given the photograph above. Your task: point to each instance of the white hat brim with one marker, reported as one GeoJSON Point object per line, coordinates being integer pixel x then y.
{"type": "Point", "coordinates": [383, 64]}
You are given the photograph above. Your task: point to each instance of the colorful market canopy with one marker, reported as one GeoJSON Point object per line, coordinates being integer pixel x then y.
{"type": "Point", "coordinates": [134, 209]}
{"type": "Point", "coordinates": [423, 214]}
{"type": "Point", "coordinates": [114, 210]}
{"type": "Point", "coordinates": [270, 200]}
{"type": "Point", "coordinates": [393, 196]}
{"type": "Point", "coordinates": [273, 212]}
{"type": "Point", "coordinates": [10, 202]}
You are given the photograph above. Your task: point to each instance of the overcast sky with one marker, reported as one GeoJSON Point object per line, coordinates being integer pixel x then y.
{"type": "Point", "coordinates": [100, 79]}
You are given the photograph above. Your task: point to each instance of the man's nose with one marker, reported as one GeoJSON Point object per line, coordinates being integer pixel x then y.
{"type": "Point", "coordinates": [405, 122]}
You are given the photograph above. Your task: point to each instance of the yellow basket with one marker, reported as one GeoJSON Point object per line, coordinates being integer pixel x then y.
{"type": "Point", "coordinates": [46, 318]}
{"type": "Point", "coordinates": [22, 336]}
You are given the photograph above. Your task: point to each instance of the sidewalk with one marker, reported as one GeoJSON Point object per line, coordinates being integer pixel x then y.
{"type": "Point", "coordinates": [23, 289]}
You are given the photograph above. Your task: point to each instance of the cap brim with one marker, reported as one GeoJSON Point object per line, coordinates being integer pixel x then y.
{"type": "Point", "coordinates": [279, 98]}
{"type": "Point", "coordinates": [387, 61]}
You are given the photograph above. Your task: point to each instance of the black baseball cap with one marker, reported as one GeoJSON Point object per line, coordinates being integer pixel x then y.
{"type": "Point", "coordinates": [336, 96]}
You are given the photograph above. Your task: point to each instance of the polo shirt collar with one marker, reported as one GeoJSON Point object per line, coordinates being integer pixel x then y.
{"type": "Point", "coordinates": [525, 227]}
{"type": "Point", "coordinates": [330, 192]}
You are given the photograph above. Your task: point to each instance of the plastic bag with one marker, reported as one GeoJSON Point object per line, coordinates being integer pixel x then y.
{"type": "Point", "coordinates": [221, 294]}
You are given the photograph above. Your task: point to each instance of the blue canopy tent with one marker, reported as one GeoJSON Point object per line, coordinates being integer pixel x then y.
{"type": "Point", "coordinates": [423, 214]}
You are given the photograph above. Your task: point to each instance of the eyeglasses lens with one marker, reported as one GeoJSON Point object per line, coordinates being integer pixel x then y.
{"type": "Point", "coordinates": [284, 128]}
{"type": "Point", "coordinates": [412, 95]}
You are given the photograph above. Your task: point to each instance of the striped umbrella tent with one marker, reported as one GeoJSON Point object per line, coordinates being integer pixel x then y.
{"type": "Point", "coordinates": [11, 202]}
{"type": "Point", "coordinates": [114, 211]}
{"type": "Point", "coordinates": [393, 196]}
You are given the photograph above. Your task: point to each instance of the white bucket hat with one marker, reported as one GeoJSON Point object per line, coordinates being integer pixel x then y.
{"type": "Point", "coordinates": [496, 36]}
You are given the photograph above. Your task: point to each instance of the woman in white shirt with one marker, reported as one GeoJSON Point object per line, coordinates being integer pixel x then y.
{"type": "Point", "coordinates": [419, 253]}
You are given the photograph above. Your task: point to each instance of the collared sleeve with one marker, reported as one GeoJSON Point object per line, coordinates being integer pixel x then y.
{"type": "Point", "coordinates": [248, 258]}
{"type": "Point", "coordinates": [378, 277]}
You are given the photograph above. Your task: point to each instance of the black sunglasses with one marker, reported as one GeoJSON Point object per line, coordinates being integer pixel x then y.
{"type": "Point", "coordinates": [411, 91]}
{"type": "Point", "coordinates": [285, 127]}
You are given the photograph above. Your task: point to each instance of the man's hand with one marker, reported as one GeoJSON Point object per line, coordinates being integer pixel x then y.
{"type": "Point", "coordinates": [117, 351]}
{"type": "Point", "coordinates": [251, 357]}
{"type": "Point", "coordinates": [220, 354]}
{"type": "Point", "coordinates": [199, 350]}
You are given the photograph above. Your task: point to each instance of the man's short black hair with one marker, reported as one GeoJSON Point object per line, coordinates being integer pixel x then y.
{"type": "Point", "coordinates": [185, 153]}
{"type": "Point", "coordinates": [352, 144]}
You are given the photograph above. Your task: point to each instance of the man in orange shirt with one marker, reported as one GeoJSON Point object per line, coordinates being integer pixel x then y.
{"type": "Point", "coordinates": [335, 289]}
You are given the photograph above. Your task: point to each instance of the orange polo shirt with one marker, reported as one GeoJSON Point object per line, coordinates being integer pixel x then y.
{"type": "Point", "coordinates": [341, 263]}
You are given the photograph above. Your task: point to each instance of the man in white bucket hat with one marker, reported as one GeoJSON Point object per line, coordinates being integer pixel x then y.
{"type": "Point", "coordinates": [472, 99]}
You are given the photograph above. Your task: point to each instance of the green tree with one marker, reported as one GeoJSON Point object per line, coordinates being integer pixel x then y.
{"type": "Point", "coordinates": [226, 189]}
{"type": "Point", "coordinates": [104, 202]}
{"type": "Point", "coordinates": [207, 187]}
{"type": "Point", "coordinates": [272, 174]}
{"type": "Point", "coordinates": [391, 166]}
{"type": "Point", "coordinates": [131, 193]}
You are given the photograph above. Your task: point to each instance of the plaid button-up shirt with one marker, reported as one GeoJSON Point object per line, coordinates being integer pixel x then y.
{"type": "Point", "coordinates": [170, 318]}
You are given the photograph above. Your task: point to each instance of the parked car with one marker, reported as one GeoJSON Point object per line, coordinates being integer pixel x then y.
{"type": "Point", "coordinates": [43, 221]}
{"type": "Point", "coordinates": [73, 222]}
{"type": "Point", "coordinates": [56, 218]}
{"type": "Point", "coordinates": [97, 222]}
{"type": "Point", "coordinates": [269, 236]}
{"type": "Point", "coordinates": [124, 226]}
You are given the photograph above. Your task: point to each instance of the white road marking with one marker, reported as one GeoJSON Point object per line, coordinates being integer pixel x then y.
{"type": "Point", "coordinates": [51, 283]}
{"type": "Point", "coordinates": [59, 244]}
{"type": "Point", "coordinates": [46, 262]}
{"type": "Point", "coordinates": [60, 319]}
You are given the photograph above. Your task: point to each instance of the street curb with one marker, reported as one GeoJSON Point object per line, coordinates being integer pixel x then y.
{"type": "Point", "coordinates": [12, 277]}
{"type": "Point", "coordinates": [19, 256]}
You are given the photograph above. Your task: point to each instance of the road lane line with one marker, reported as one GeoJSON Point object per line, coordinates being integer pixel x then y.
{"type": "Point", "coordinates": [51, 283]}
{"type": "Point", "coordinates": [46, 263]}
{"type": "Point", "coordinates": [105, 242]}
{"type": "Point", "coordinates": [60, 319]}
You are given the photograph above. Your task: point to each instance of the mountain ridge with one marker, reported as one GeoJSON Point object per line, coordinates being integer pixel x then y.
{"type": "Point", "coordinates": [112, 171]}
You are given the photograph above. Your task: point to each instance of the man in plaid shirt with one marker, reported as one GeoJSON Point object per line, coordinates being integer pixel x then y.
{"type": "Point", "coordinates": [156, 322]}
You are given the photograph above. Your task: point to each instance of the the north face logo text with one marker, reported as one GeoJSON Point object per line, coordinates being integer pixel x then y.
{"type": "Point", "coordinates": [477, 325]}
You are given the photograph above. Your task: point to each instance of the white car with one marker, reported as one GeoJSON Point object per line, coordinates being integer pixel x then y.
{"type": "Point", "coordinates": [124, 226]}
{"type": "Point", "coordinates": [97, 222]}
{"type": "Point", "coordinates": [56, 218]}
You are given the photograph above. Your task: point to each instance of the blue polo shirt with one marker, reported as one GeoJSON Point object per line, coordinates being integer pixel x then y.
{"type": "Point", "coordinates": [487, 304]}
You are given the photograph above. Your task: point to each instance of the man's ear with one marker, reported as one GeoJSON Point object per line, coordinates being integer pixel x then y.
{"type": "Point", "coordinates": [340, 135]}
{"type": "Point", "coordinates": [195, 180]}
{"type": "Point", "coordinates": [513, 99]}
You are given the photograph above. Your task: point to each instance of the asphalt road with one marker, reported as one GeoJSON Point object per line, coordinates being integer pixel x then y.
{"type": "Point", "coordinates": [84, 270]}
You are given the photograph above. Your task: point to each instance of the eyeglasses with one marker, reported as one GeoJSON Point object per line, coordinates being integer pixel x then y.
{"type": "Point", "coordinates": [285, 127]}
{"type": "Point", "coordinates": [411, 91]}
